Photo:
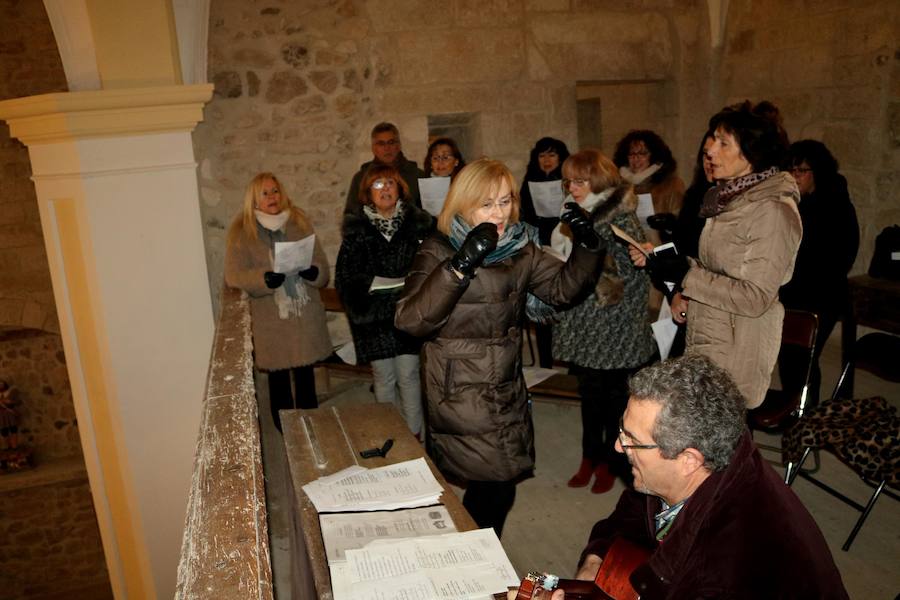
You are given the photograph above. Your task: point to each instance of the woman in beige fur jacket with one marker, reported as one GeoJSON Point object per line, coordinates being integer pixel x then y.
{"type": "Point", "coordinates": [289, 331]}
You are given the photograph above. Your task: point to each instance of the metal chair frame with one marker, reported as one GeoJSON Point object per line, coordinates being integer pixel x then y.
{"type": "Point", "coordinates": [792, 471]}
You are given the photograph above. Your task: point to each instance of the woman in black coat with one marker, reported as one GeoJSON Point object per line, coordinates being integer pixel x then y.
{"type": "Point", "coordinates": [382, 241]}
{"type": "Point", "coordinates": [828, 248]}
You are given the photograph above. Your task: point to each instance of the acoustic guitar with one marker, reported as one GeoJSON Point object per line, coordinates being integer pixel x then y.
{"type": "Point", "coordinates": [611, 582]}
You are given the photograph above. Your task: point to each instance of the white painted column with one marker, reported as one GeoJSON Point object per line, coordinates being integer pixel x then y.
{"type": "Point", "coordinates": [115, 178]}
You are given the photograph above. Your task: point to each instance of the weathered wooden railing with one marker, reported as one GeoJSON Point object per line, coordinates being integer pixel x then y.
{"type": "Point", "coordinates": [225, 551]}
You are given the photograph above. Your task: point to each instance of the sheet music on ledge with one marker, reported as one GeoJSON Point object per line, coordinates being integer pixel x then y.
{"type": "Point", "coordinates": [407, 484]}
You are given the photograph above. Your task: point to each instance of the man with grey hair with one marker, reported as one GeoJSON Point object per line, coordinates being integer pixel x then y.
{"type": "Point", "coordinates": [719, 521]}
{"type": "Point", "coordinates": [386, 150]}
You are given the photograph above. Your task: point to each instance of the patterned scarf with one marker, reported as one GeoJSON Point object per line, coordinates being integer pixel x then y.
{"type": "Point", "coordinates": [291, 296]}
{"type": "Point", "coordinates": [386, 226]}
{"type": "Point", "coordinates": [514, 238]}
{"type": "Point", "coordinates": [717, 198]}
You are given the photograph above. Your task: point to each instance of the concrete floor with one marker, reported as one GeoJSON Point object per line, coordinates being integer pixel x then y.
{"type": "Point", "coordinates": [549, 522]}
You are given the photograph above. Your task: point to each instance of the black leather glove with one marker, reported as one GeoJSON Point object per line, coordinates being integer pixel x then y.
{"type": "Point", "coordinates": [480, 242]}
{"type": "Point", "coordinates": [309, 274]}
{"type": "Point", "coordinates": [669, 267]}
{"type": "Point", "coordinates": [580, 224]}
{"type": "Point", "coordinates": [273, 280]}
{"type": "Point", "coordinates": [664, 223]}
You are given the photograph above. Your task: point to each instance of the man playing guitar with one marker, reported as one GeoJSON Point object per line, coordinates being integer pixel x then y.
{"type": "Point", "coordinates": [718, 520]}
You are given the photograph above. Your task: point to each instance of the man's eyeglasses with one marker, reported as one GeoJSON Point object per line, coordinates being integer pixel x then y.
{"type": "Point", "coordinates": [624, 436]}
{"type": "Point", "coordinates": [380, 184]}
{"type": "Point", "coordinates": [575, 182]}
{"type": "Point", "coordinates": [383, 143]}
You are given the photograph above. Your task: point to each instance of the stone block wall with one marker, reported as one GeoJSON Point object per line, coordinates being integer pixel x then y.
{"type": "Point", "coordinates": [299, 85]}
{"type": "Point", "coordinates": [834, 70]}
{"type": "Point", "coordinates": [33, 362]}
{"type": "Point", "coordinates": [30, 64]}
{"type": "Point", "coordinates": [50, 544]}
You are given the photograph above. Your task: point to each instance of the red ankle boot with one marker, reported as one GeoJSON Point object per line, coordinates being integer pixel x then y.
{"type": "Point", "coordinates": [603, 479]}
{"type": "Point", "coordinates": [582, 477]}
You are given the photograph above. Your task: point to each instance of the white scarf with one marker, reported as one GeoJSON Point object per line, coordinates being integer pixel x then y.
{"type": "Point", "coordinates": [559, 242]}
{"type": "Point", "coordinates": [288, 304]}
{"type": "Point", "coordinates": [638, 178]}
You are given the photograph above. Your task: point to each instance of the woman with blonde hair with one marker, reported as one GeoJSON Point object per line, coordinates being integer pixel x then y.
{"type": "Point", "coordinates": [606, 337]}
{"type": "Point", "coordinates": [467, 293]}
{"type": "Point", "coordinates": [288, 318]}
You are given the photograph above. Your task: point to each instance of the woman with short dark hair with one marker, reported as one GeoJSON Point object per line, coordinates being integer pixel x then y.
{"type": "Point", "coordinates": [747, 249]}
{"type": "Point", "coordinates": [829, 246]}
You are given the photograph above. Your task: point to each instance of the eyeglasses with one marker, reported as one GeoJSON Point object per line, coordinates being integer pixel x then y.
{"type": "Point", "coordinates": [624, 436]}
{"type": "Point", "coordinates": [575, 182]}
{"type": "Point", "coordinates": [800, 170]}
{"type": "Point", "coordinates": [380, 184]}
{"type": "Point", "coordinates": [383, 143]}
{"type": "Point", "coordinates": [501, 203]}
{"type": "Point", "coordinates": [442, 157]}
{"type": "Point", "coordinates": [638, 153]}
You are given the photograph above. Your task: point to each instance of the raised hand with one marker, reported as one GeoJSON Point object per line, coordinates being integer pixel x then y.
{"type": "Point", "coordinates": [580, 224]}
{"type": "Point", "coordinates": [480, 242]}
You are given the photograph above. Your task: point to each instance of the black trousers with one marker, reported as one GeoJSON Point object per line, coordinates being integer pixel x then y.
{"type": "Point", "coordinates": [544, 337]}
{"type": "Point", "coordinates": [280, 396]}
{"type": "Point", "coordinates": [489, 502]}
{"type": "Point", "coordinates": [604, 395]}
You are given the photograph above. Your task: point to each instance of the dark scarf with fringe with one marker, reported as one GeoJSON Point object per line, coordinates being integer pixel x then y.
{"type": "Point", "coordinates": [717, 198]}
{"type": "Point", "coordinates": [514, 238]}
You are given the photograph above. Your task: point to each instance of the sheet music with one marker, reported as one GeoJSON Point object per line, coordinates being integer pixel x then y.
{"type": "Point", "coordinates": [664, 330]}
{"type": "Point", "coordinates": [407, 484]}
{"type": "Point", "coordinates": [433, 191]}
{"type": "Point", "coordinates": [464, 565]}
{"type": "Point", "coordinates": [644, 209]}
{"type": "Point", "coordinates": [547, 197]}
{"type": "Point", "coordinates": [291, 257]}
{"type": "Point", "coordinates": [350, 531]}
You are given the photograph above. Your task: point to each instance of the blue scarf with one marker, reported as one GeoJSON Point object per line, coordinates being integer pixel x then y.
{"type": "Point", "coordinates": [515, 237]}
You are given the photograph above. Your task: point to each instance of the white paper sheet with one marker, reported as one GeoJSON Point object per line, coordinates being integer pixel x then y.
{"type": "Point", "coordinates": [433, 191]}
{"type": "Point", "coordinates": [347, 352]}
{"type": "Point", "coordinates": [644, 209]}
{"type": "Point", "coordinates": [386, 283]}
{"type": "Point", "coordinates": [535, 375]}
{"type": "Point", "coordinates": [291, 257]}
{"type": "Point", "coordinates": [407, 484]}
{"type": "Point", "coordinates": [664, 330]}
{"type": "Point", "coordinates": [547, 197]}
{"type": "Point", "coordinates": [350, 531]}
{"type": "Point", "coordinates": [460, 566]}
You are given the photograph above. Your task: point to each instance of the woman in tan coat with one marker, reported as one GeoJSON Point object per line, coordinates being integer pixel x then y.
{"type": "Point", "coordinates": [467, 294]}
{"type": "Point", "coordinates": [747, 250]}
{"type": "Point", "coordinates": [289, 332]}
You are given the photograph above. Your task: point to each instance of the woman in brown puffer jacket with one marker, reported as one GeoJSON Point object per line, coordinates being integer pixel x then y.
{"type": "Point", "coordinates": [467, 293]}
{"type": "Point", "coordinates": [288, 318]}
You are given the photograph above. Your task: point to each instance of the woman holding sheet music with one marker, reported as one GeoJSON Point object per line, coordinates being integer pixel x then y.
{"type": "Point", "coordinates": [606, 337]}
{"type": "Point", "coordinates": [381, 242]}
{"type": "Point", "coordinates": [467, 293]}
{"type": "Point", "coordinates": [288, 318]}
{"type": "Point", "coordinates": [747, 249]}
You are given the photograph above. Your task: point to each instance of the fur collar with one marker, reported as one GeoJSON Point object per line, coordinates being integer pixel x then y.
{"type": "Point", "coordinates": [622, 200]}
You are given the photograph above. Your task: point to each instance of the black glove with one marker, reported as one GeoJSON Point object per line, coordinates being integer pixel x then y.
{"type": "Point", "coordinates": [309, 274]}
{"type": "Point", "coordinates": [663, 222]}
{"type": "Point", "coordinates": [273, 280]}
{"type": "Point", "coordinates": [580, 224]}
{"type": "Point", "coordinates": [480, 242]}
{"type": "Point", "coordinates": [669, 267]}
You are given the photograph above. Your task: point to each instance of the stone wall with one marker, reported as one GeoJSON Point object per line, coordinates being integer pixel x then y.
{"type": "Point", "coordinates": [50, 544]}
{"type": "Point", "coordinates": [33, 362]}
{"type": "Point", "coordinates": [30, 64]}
{"type": "Point", "coordinates": [833, 68]}
{"type": "Point", "coordinates": [299, 85]}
